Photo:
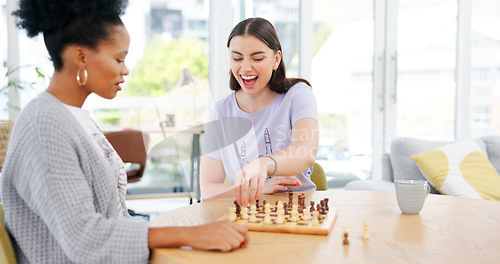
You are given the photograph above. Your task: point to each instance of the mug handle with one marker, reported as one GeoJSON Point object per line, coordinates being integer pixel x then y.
{"type": "Point", "coordinates": [428, 187]}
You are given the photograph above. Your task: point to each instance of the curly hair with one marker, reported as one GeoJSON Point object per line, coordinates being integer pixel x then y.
{"type": "Point", "coordinates": [80, 22]}
{"type": "Point", "coordinates": [265, 32]}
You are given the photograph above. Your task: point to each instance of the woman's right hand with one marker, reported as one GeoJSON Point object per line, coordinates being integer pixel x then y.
{"type": "Point", "coordinates": [249, 182]}
{"type": "Point", "coordinates": [222, 236]}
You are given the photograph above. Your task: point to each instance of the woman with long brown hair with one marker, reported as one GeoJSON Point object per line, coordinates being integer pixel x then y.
{"type": "Point", "coordinates": [279, 148]}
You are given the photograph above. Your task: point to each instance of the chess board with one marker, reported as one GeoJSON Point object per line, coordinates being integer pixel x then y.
{"type": "Point", "coordinates": [299, 227]}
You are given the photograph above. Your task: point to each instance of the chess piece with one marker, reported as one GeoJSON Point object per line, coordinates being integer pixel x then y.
{"type": "Point", "coordinates": [315, 220]}
{"type": "Point", "coordinates": [300, 202]}
{"type": "Point", "coordinates": [305, 215]}
{"type": "Point", "coordinates": [280, 219]}
{"type": "Point", "coordinates": [267, 218]}
{"type": "Point", "coordinates": [346, 236]}
{"type": "Point", "coordinates": [244, 213]}
{"type": "Point", "coordinates": [253, 218]}
{"type": "Point", "coordinates": [257, 203]}
{"type": "Point", "coordinates": [346, 239]}
{"type": "Point", "coordinates": [232, 214]}
{"type": "Point", "coordinates": [294, 213]}
{"type": "Point", "coordinates": [323, 207]}
{"type": "Point", "coordinates": [280, 209]}
{"type": "Point", "coordinates": [267, 208]}
{"type": "Point", "coordinates": [365, 235]}
{"type": "Point", "coordinates": [293, 218]}
{"type": "Point", "coordinates": [238, 208]}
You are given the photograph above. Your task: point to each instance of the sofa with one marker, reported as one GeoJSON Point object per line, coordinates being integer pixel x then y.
{"type": "Point", "coordinates": [401, 163]}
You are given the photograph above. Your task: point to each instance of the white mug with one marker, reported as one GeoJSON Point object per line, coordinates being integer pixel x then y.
{"type": "Point", "coordinates": [411, 195]}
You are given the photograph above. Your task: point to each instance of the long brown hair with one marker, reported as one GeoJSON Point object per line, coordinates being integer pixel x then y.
{"type": "Point", "coordinates": [265, 32]}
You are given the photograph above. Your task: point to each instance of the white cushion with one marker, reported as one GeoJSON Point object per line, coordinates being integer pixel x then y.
{"type": "Point", "coordinates": [460, 169]}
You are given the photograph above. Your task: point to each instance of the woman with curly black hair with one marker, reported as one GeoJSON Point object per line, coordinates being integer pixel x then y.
{"type": "Point", "coordinates": [63, 191]}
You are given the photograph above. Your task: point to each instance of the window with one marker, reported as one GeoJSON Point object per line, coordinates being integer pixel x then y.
{"type": "Point", "coordinates": [426, 42]}
{"type": "Point", "coordinates": [4, 113]}
{"type": "Point", "coordinates": [343, 72]}
{"type": "Point", "coordinates": [284, 15]}
{"type": "Point", "coordinates": [342, 82]}
{"type": "Point", "coordinates": [485, 60]}
{"type": "Point", "coordinates": [167, 89]}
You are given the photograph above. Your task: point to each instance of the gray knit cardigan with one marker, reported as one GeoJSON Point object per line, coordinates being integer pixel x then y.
{"type": "Point", "coordinates": [59, 194]}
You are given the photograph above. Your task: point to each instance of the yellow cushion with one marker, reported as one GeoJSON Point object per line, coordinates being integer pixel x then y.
{"type": "Point", "coordinates": [6, 250]}
{"type": "Point", "coordinates": [461, 169]}
{"type": "Point", "coordinates": [319, 178]}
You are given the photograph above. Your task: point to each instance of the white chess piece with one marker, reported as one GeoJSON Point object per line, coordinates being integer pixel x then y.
{"type": "Point", "coordinates": [232, 213]}
{"type": "Point", "coordinates": [253, 208]}
{"type": "Point", "coordinates": [267, 219]}
{"type": "Point", "coordinates": [244, 213]}
{"type": "Point", "coordinates": [280, 219]}
{"type": "Point", "coordinates": [293, 218]}
{"type": "Point", "coordinates": [365, 235]}
{"type": "Point", "coordinates": [315, 220]}
{"type": "Point", "coordinates": [280, 209]}
{"type": "Point", "coordinates": [253, 217]}
{"type": "Point", "coordinates": [305, 215]}
{"type": "Point", "coordinates": [267, 208]}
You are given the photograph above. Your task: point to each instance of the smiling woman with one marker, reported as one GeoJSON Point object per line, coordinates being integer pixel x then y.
{"type": "Point", "coordinates": [279, 150]}
{"type": "Point", "coordinates": [252, 65]}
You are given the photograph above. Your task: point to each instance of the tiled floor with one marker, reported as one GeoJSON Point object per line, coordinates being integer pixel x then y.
{"type": "Point", "coordinates": [155, 207]}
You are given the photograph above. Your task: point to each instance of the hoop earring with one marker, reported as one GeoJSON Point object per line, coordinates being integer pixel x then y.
{"type": "Point", "coordinates": [85, 76]}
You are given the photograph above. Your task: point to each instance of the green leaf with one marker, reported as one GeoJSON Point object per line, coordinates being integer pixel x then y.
{"type": "Point", "coordinates": [161, 67]}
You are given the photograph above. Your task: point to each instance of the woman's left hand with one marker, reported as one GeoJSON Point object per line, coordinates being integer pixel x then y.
{"type": "Point", "coordinates": [280, 183]}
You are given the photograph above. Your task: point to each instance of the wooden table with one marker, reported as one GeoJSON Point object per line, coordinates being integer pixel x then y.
{"type": "Point", "coordinates": [448, 230]}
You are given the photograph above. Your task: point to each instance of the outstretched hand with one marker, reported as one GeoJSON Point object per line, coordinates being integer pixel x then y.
{"type": "Point", "coordinates": [249, 182]}
{"type": "Point", "coordinates": [280, 183]}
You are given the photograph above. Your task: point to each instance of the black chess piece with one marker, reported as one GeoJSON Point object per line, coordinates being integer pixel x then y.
{"type": "Point", "coordinates": [238, 208]}
{"type": "Point", "coordinates": [346, 239]}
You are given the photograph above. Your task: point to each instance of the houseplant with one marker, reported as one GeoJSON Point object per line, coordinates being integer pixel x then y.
{"type": "Point", "coordinates": [6, 84]}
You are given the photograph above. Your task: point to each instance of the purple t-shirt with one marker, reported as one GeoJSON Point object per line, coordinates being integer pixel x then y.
{"type": "Point", "coordinates": [237, 137]}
